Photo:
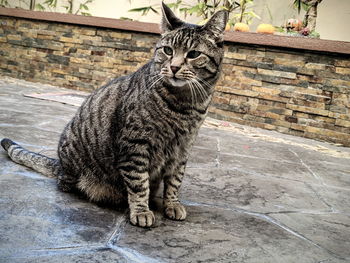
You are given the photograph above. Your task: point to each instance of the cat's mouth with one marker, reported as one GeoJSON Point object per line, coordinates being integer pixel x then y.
{"type": "Point", "coordinates": [176, 82]}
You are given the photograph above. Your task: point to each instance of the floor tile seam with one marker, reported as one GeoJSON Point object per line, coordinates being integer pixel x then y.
{"type": "Point", "coordinates": [267, 219]}
{"type": "Point", "coordinates": [247, 172]}
{"type": "Point", "coordinates": [256, 157]}
{"type": "Point", "coordinates": [42, 252]}
{"type": "Point", "coordinates": [315, 175]}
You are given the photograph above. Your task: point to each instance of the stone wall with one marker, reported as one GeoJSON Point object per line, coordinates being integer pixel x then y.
{"type": "Point", "coordinates": [292, 91]}
{"type": "Point", "coordinates": [71, 56]}
{"type": "Point", "coordinates": [295, 92]}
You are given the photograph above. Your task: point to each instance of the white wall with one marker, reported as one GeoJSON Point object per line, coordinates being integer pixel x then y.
{"type": "Point", "coordinates": [334, 20]}
{"type": "Point", "coordinates": [332, 23]}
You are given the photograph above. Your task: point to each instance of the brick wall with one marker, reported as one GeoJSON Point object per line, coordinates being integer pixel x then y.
{"type": "Point", "coordinates": [292, 91]}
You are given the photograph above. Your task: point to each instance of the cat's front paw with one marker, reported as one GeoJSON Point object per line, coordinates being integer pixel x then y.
{"type": "Point", "coordinates": [175, 211]}
{"type": "Point", "coordinates": [142, 219]}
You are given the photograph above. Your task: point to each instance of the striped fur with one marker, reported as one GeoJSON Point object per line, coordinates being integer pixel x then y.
{"type": "Point", "coordinates": [137, 131]}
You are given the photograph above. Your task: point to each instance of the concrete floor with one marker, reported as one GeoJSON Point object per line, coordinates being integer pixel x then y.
{"type": "Point", "coordinates": [252, 196]}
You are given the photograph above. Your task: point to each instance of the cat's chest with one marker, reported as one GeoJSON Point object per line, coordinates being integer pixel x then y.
{"type": "Point", "coordinates": [173, 149]}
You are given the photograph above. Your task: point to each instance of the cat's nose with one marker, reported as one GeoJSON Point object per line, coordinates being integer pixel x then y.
{"type": "Point", "coordinates": [174, 69]}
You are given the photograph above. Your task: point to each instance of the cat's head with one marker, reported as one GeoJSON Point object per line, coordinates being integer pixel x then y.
{"type": "Point", "coordinates": [190, 55]}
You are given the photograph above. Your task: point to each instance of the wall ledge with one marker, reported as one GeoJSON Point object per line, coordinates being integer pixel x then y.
{"type": "Point", "coordinates": [319, 45]}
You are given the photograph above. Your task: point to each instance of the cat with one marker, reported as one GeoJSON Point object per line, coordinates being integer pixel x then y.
{"type": "Point", "coordinates": [135, 132]}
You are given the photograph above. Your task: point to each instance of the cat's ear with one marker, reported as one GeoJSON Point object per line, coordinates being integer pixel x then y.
{"type": "Point", "coordinates": [217, 24]}
{"type": "Point", "coordinates": [169, 20]}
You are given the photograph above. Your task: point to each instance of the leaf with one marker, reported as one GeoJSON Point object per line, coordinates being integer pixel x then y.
{"type": "Point", "coordinates": [125, 18]}
{"type": "Point", "coordinates": [305, 6]}
{"type": "Point", "coordinates": [40, 7]}
{"type": "Point", "coordinates": [175, 5]}
{"type": "Point", "coordinates": [252, 14]}
{"type": "Point", "coordinates": [83, 6]}
{"type": "Point", "coordinates": [144, 10]}
{"type": "Point", "coordinates": [155, 11]}
{"type": "Point", "coordinates": [139, 9]}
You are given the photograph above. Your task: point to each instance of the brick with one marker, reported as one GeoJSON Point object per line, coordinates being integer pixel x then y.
{"type": "Point", "coordinates": [103, 64]}
{"type": "Point", "coordinates": [276, 73]}
{"type": "Point", "coordinates": [288, 62]}
{"type": "Point", "coordinates": [248, 93]}
{"type": "Point", "coordinates": [91, 38]}
{"type": "Point", "coordinates": [80, 60]}
{"type": "Point", "coordinates": [338, 82]}
{"type": "Point", "coordinates": [272, 98]}
{"type": "Point", "coordinates": [46, 32]}
{"type": "Point", "coordinates": [342, 63]}
{"type": "Point", "coordinates": [275, 110]}
{"type": "Point", "coordinates": [307, 103]}
{"type": "Point", "coordinates": [81, 51]}
{"type": "Point", "coordinates": [227, 114]}
{"type": "Point", "coordinates": [307, 109]}
{"type": "Point", "coordinates": [57, 59]}
{"type": "Point", "coordinates": [71, 40]}
{"type": "Point", "coordinates": [343, 71]}
{"type": "Point", "coordinates": [46, 37]}
{"type": "Point", "coordinates": [267, 114]}
{"type": "Point", "coordinates": [84, 31]}
{"type": "Point", "coordinates": [71, 78]}
{"type": "Point", "coordinates": [339, 116]}
{"type": "Point", "coordinates": [14, 37]}
{"type": "Point", "coordinates": [317, 66]}
{"type": "Point", "coordinates": [339, 109]}
{"type": "Point", "coordinates": [291, 119]}
{"type": "Point", "coordinates": [297, 127]}
{"type": "Point", "coordinates": [328, 133]}
{"type": "Point", "coordinates": [118, 35]}
{"type": "Point", "coordinates": [342, 123]}
{"type": "Point", "coordinates": [236, 56]}
{"type": "Point", "coordinates": [220, 99]}
{"type": "Point", "coordinates": [59, 71]}
{"type": "Point", "coordinates": [268, 91]}
{"type": "Point", "coordinates": [282, 55]}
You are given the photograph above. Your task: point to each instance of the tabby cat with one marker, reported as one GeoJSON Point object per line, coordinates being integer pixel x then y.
{"type": "Point", "coordinates": [136, 131]}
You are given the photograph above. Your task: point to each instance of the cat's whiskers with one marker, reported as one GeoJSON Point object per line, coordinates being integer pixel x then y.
{"type": "Point", "coordinates": [203, 93]}
{"type": "Point", "coordinates": [206, 83]}
{"type": "Point", "coordinates": [192, 92]}
{"type": "Point", "coordinates": [195, 92]}
{"type": "Point", "coordinates": [160, 78]}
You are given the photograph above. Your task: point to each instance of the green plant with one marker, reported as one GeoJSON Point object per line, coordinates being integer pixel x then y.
{"type": "Point", "coordinates": [310, 6]}
{"type": "Point", "coordinates": [245, 15]}
{"type": "Point", "coordinates": [206, 8]}
{"type": "Point", "coordinates": [28, 4]}
{"type": "Point", "coordinates": [51, 5]}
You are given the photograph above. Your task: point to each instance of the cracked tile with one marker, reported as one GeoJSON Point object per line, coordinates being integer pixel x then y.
{"type": "Point", "coordinates": [252, 196]}
{"type": "Point", "coordinates": [242, 189]}
{"type": "Point", "coordinates": [72, 255]}
{"type": "Point", "coordinates": [213, 234]}
{"type": "Point", "coordinates": [35, 215]}
{"type": "Point", "coordinates": [330, 231]}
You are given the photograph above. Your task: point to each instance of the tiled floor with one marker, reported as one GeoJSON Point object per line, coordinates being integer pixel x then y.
{"type": "Point", "coordinates": [251, 195]}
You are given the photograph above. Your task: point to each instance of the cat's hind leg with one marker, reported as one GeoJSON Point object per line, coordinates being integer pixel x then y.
{"type": "Point", "coordinates": [66, 182]}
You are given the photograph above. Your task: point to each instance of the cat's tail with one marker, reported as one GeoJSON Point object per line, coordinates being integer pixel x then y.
{"type": "Point", "coordinates": [40, 163]}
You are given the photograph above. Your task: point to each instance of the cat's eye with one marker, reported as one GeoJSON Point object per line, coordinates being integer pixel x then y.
{"type": "Point", "coordinates": [168, 51]}
{"type": "Point", "coordinates": [193, 54]}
